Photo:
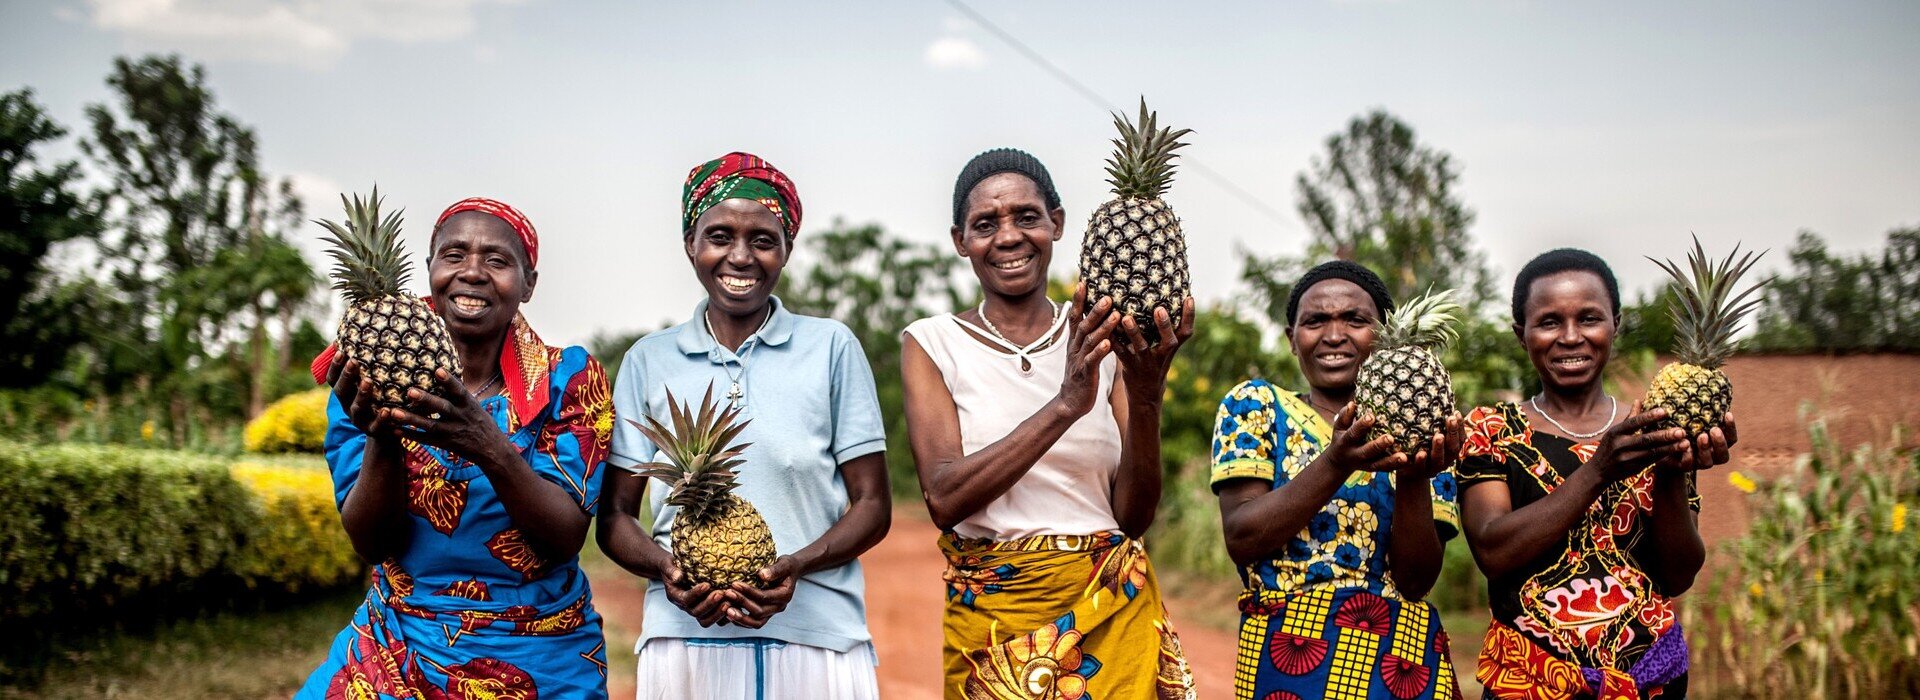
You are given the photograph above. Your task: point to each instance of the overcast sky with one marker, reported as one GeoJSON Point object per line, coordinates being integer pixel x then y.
{"type": "Point", "coordinates": [1618, 127]}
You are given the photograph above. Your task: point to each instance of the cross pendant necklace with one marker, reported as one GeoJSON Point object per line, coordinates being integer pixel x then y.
{"type": "Point", "coordinates": [734, 391]}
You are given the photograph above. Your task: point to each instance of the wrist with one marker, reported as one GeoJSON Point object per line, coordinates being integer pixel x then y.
{"type": "Point", "coordinates": [1411, 489]}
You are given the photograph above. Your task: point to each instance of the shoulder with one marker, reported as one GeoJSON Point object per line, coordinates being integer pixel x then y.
{"type": "Point", "coordinates": [1496, 417]}
{"type": "Point", "coordinates": [663, 338]}
{"type": "Point", "coordinates": [571, 364]}
{"type": "Point", "coordinates": [1252, 394]}
{"type": "Point", "coordinates": [921, 327]}
{"type": "Point", "coordinates": [819, 327]}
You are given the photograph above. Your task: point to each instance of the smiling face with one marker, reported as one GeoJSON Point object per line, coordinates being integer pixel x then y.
{"type": "Point", "coordinates": [1008, 234]}
{"type": "Point", "coordinates": [478, 275]}
{"type": "Point", "coordinates": [1569, 328]}
{"type": "Point", "coordinates": [1333, 333]}
{"type": "Point", "coordinates": [737, 249]}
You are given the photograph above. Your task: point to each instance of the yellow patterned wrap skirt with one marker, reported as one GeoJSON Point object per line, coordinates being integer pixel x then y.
{"type": "Point", "coordinates": [1057, 616]}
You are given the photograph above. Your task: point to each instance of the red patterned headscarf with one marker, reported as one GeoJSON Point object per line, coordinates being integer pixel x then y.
{"type": "Point", "coordinates": [505, 212]}
{"type": "Point", "coordinates": [523, 361]}
{"type": "Point", "coordinates": [740, 175]}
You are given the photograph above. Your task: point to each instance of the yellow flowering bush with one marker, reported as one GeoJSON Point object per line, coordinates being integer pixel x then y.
{"type": "Point", "coordinates": [299, 543]}
{"type": "Point", "coordinates": [1819, 595]}
{"type": "Point", "coordinates": [296, 423]}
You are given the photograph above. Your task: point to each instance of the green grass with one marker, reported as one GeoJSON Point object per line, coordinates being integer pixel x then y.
{"type": "Point", "coordinates": [250, 654]}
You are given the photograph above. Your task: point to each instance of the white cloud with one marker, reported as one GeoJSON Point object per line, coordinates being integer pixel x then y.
{"type": "Point", "coordinates": [956, 24]}
{"type": "Point", "coordinates": [955, 53]}
{"type": "Point", "coordinates": [307, 32]}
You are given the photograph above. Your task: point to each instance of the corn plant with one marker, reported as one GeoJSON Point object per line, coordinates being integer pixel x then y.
{"type": "Point", "coordinates": [1818, 599]}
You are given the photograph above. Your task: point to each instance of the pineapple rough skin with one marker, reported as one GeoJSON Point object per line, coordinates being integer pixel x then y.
{"type": "Point", "coordinates": [1695, 397]}
{"type": "Point", "coordinates": [731, 546]}
{"type": "Point", "coordinates": [1408, 392]}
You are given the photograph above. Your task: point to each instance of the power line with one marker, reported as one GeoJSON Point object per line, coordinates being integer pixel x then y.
{"type": "Point", "coordinates": [1249, 198]}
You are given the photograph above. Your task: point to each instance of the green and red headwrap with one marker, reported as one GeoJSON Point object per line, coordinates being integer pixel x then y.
{"type": "Point", "coordinates": [740, 175]}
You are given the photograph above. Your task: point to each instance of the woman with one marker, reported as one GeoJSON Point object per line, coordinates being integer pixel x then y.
{"type": "Point", "coordinates": [1580, 513]}
{"type": "Point", "coordinates": [472, 504]}
{"type": "Point", "coordinates": [1338, 537]}
{"type": "Point", "coordinates": [1040, 461]}
{"type": "Point", "coordinates": [815, 467]}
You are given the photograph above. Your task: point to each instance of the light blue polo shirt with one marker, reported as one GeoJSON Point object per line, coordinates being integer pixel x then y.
{"type": "Point", "coordinates": [809, 393]}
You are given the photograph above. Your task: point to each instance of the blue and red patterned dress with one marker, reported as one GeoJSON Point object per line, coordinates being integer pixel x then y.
{"type": "Point", "coordinates": [1320, 618]}
{"type": "Point", "coordinates": [469, 610]}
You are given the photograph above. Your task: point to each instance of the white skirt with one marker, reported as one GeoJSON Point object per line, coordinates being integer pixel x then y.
{"type": "Point", "coordinates": [754, 669]}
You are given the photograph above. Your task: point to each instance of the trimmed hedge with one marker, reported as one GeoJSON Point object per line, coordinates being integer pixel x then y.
{"type": "Point", "coordinates": [84, 528]}
{"type": "Point", "coordinates": [295, 423]}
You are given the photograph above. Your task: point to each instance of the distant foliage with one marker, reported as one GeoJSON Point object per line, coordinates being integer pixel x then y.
{"type": "Point", "coordinates": [84, 529]}
{"type": "Point", "coordinates": [1831, 303]}
{"type": "Point", "coordinates": [295, 423]}
{"type": "Point", "coordinates": [1819, 596]}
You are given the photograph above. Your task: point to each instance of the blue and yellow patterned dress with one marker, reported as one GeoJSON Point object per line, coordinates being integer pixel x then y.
{"type": "Point", "coordinates": [1321, 619]}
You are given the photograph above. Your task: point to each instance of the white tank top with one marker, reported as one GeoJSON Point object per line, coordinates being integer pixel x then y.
{"type": "Point", "coordinates": [1069, 491]}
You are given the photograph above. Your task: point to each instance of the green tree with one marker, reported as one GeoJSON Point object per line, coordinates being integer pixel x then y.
{"type": "Point", "coordinates": [41, 207]}
{"type": "Point", "coordinates": [875, 283]}
{"type": "Point", "coordinates": [1381, 198]}
{"type": "Point", "coordinates": [195, 249]}
{"type": "Point", "coordinates": [1833, 303]}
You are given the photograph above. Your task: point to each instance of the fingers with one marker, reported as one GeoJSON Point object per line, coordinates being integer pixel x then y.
{"type": "Point", "coordinates": [1727, 428]}
{"type": "Point", "coordinates": [1079, 300]}
{"type": "Point", "coordinates": [1638, 420]}
{"type": "Point", "coordinates": [1359, 427]}
{"type": "Point", "coordinates": [1343, 421]}
{"type": "Point", "coordinates": [1163, 325]}
{"type": "Point", "coordinates": [1185, 330]}
{"type": "Point", "coordinates": [1131, 339]}
{"type": "Point", "coordinates": [1376, 449]}
{"type": "Point", "coordinates": [1456, 439]}
{"type": "Point", "coordinates": [1719, 446]}
{"type": "Point", "coordinates": [337, 368]}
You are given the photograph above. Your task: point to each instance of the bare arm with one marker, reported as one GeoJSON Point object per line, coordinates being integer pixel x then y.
{"type": "Point", "coordinates": [1414, 551]}
{"type": "Point", "coordinates": [1139, 390]}
{"type": "Point", "coordinates": [957, 485]}
{"type": "Point", "coordinates": [1258, 520]}
{"type": "Point", "coordinates": [869, 515]}
{"type": "Point", "coordinates": [374, 513]}
{"type": "Point", "coordinates": [1678, 552]}
{"type": "Point", "coordinates": [622, 538]}
{"type": "Point", "coordinates": [1504, 539]}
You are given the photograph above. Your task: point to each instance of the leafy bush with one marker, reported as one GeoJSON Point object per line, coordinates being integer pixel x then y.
{"type": "Point", "coordinates": [1186, 533]}
{"type": "Point", "coordinates": [85, 528]}
{"type": "Point", "coordinates": [296, 423]}
{"type": "Point", "coordinates": [298, 545]}
{"type": "Point", "coordinates": [1818, 596]}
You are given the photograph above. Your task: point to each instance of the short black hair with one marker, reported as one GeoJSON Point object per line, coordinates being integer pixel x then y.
{"type": "Point", "coordinates": [994, 162]}
{"type": "Point", "coordinates": [1340, 270]}
{"type": "Point", "coordinates": [1555, 262]}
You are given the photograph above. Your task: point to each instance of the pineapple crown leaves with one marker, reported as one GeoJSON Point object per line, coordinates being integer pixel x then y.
{"type": "Point", "coordinates": [1425, 322]}
{"type": "Point", "coordinates": [1707, 313]}
{"type": "Point", "coordinates": [369, 260]}
{"type": "Point", "coordinates": [1142, 162]}
{"type": "Point", "coordinates": [700, 455]}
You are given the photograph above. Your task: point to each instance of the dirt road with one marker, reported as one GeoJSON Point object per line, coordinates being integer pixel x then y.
{"type": "Point", "coordinates": [904, 600]}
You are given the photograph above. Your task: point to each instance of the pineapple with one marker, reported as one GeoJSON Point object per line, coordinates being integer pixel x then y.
{"type": "Point", "coordinates": [718, 537]}
{"type": "Point", "coordinates": [397, 339]}
{"type": "Point", "coordinates": [1134, 251]}
{"type": "Point", "coordinates": [1694, 390]}
{"type": "Point", "coordinates": [1402, 384]}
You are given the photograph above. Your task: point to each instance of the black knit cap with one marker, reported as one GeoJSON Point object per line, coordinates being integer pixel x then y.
{"type": "Point", "coordinates": [1341, 270]}
{"type": "Point", "coordinates": [1555, 262]}
{"type": "Point", "coordinates": [994, 162]}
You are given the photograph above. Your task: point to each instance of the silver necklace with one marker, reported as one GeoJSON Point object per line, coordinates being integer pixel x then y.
{"type": "Point", "coordinates": [482, 391]}
{"type": "Point", "coordinates": [1044, 337]}
{"type": "Point", "coordinates": [1613, 411]}
{"type": "Point", "coordinates": [734, 390]}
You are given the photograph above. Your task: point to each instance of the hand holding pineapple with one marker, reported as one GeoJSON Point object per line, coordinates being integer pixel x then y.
{"type": "Point", "coordinates": [718, 538]}
{"type": "Point", "coordinates": [1089, 339]}
{"type": "Point", "coordinates": [1355, 447]}
{"type": "Point", "coordinates": [451, 419]}
{"type": "Point", "coordinates": [1709, 449]}
{"type": "Point", "coordinates": [1634, 444]}
{"type": "Point", "coordinates": [1144, 363]}
{"type": "Point", "coordinates": [753, 604]}
{"type": "Point", "coordinates": [1706, 315]}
